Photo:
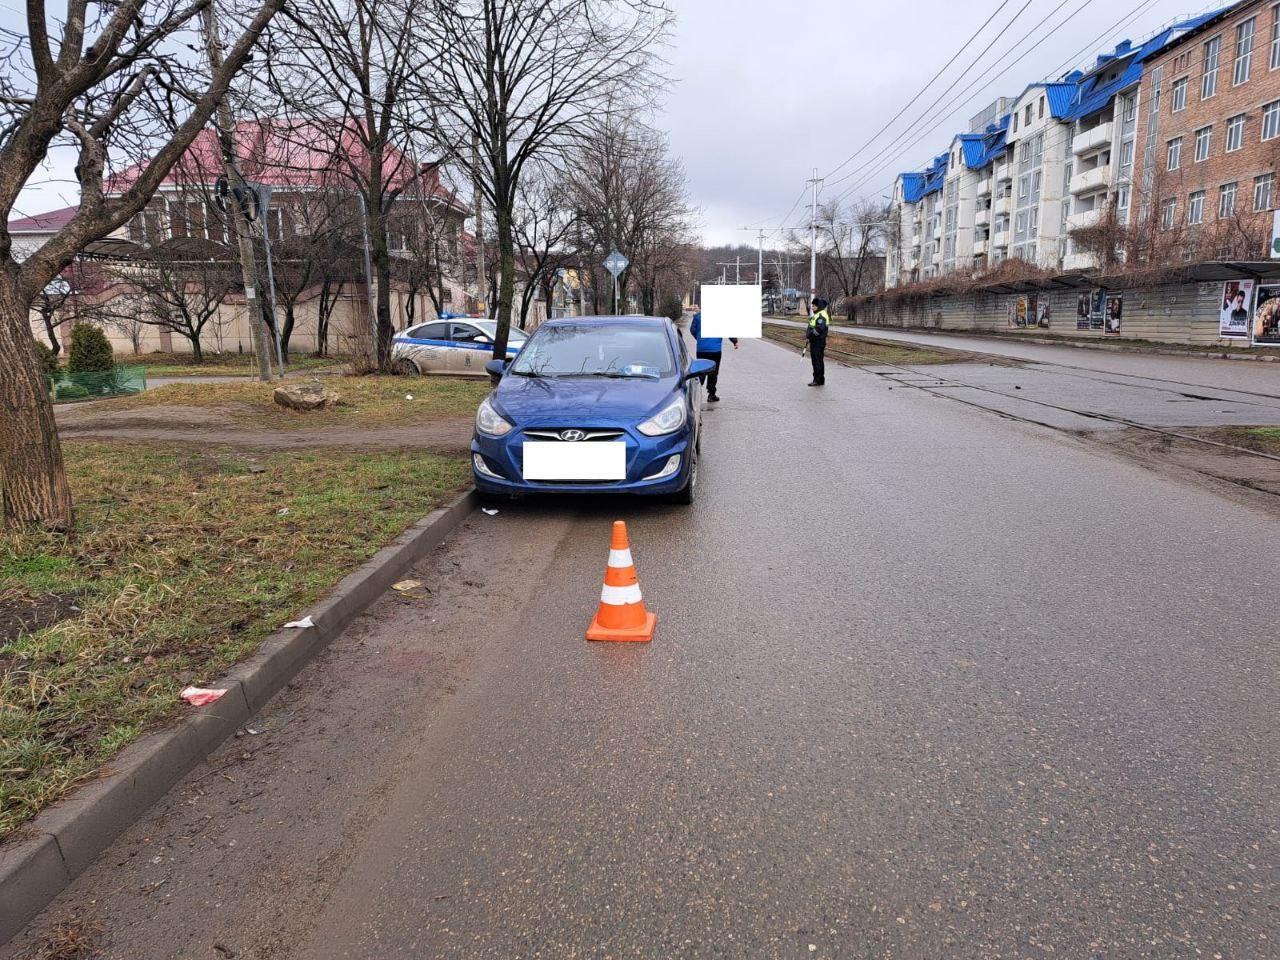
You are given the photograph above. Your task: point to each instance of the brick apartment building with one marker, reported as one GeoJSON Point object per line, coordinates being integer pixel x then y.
{"type": "Point", "coordinates": [1208, 136]}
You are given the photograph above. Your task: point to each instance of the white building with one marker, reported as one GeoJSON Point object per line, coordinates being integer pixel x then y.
{"type": "Point", "coordinates": [1030, 170]}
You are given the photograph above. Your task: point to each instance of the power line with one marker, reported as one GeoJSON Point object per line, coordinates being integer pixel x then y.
{"type": "Point", "coordinates": [920, 92]}
{"type": "Point", "coordinates": [1116, 27]}
{"type": "Point", "coordinates": [949, 108]}
{"type": "Point", "coordinates": [929, 116]}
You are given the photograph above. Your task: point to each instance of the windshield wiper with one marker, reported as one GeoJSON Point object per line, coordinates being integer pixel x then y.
{"type": "Point", "coordinates": [528, 373]}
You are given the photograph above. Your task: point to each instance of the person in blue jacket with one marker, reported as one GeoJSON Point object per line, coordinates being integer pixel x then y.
{"type": "Point", "coordinates": [709, 348]}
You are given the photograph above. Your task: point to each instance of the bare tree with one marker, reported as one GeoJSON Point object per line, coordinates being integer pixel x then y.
{"type": "Point", "coordinates": [851, 246]}
{"type": "Point", "coordinates": [344, 69]}
{"type": "Point", "coordinates": [174, 289]}
{"type": "Point", "coordinates": [546, 224]}
{"type": "Point", "coordinates": [517, 80]}
{"type": "Point", "coordinates": [113, 83]}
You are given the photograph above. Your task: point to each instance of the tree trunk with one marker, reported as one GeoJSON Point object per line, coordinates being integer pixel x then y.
{"type": "Point", "coordinates": [197, 354]}
{"type": "Point", "coordinates": [51, 331]}
{"type": "Point", "coordinates": [506, 282]}
{"type": "Point", "coordinates": [382, 272]}
{"type": "Point", "coordinates": [33, 479]}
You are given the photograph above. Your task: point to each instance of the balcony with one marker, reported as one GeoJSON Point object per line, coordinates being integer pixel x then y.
{"type": "Point", "coordinates": [1092, 138]}
{"type": "Point", "coordinates": [1003, 206]}
{"type": "Point", "coordinates": [1078, 261]}
{"type": "Point", "coordinates": [980, 248]}
{"type": "Point", "coordinates": [1004, 171]}
{"type": "Point", "coordinates": [1084, 219]}
{"type": "Point", "coordinates": [982, 216]}
{"type": "Point", "coordinates": [1090, 180]}
{"type": "Point", "coordinates": [984, 187]}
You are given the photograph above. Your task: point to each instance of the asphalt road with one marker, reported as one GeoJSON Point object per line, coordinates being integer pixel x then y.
{"type": "Point", "coordinates": [926, 683]}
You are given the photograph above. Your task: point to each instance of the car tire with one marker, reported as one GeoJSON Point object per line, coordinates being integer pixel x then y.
{"type": "Point", "coordinates": [685, 495]}
{"type": "Point", "coordinates": [406, 368]}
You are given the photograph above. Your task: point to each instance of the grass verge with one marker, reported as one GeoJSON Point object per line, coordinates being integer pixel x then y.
{"type": "Point", "coordinates": [1263, 439]}
{"type": "Point", "coordinates": [368, 401]}
{"type": "Point", "coordinates": [869, 351]}
{"type": "Point", "coordinates": [218, 364]}
{"type": "Point", "coordinates": [184, 560]}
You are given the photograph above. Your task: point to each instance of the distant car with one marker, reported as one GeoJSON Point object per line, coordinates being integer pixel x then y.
{"type": "Point", "coordinates": [593, 404]}
{"type": "Point", "coordinates": [451, 346]}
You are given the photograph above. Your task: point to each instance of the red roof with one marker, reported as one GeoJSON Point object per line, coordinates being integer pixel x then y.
{"type": "Point", "coordinates": [283, 154]}
{"type": "Point", "coordinates": [44, 222]}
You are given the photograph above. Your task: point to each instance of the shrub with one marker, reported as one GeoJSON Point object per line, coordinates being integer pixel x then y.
{"type": "Point", "coordinates": [90, 350]}
{"type": "Point", "coordinates": [672, 308]}
{"type": "Point", "coordinates": [70, 391]}
{"type": "Point", "coordinates": [48, 359]}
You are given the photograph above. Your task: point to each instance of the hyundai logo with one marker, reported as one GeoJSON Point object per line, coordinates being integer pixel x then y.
{"type": "Point", "coordinates": [572, 436]}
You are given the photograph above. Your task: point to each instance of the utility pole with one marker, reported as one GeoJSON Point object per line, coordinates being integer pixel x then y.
{"type": "Point", "coordinates": [482, 278]}
{"type": "Point", "coordinates": [237, 189]}
{"type": "Point", "coordinates": [813, 238]}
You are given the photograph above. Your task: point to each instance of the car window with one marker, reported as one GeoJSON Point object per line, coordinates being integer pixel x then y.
{"type": "Point", "coordinates": [465, 333]}
{"type": "Point", "coordinates": [430, 331]}
{"type": "Point", "coordinates": [490, 329]}
{"type": "Point", "coordinates": [597, 349]}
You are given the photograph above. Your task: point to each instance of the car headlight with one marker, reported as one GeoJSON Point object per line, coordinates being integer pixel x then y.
{"type": "Point", "coordinates": [489, 421]}
{"type": "Point", "coordinates": [667, 420]}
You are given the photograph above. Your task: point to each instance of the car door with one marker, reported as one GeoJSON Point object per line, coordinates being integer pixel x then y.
{"type": "Point", "coordinates": [427, 345]}
{"type": "Point", "coordinates": [470, 348]}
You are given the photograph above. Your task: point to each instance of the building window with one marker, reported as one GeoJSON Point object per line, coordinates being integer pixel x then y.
{"type": "Point", "coordinates": [1168, 213]}
{"type": "Point", "coordinates": [1209, 78]}
{"type": "Point", "coordinates": [1175, 153]}
{"type": "Point", "coordinates": [1126, 157]}
{"type": "Point", "coordinates": [1178, 98]}
{"type": "Point", "coordinates": [1274, 63]}
{"type": "Point", "coordinates": [1244, 51]}
{"type": "Point", "coordinates": [1195, 207]}
{"type": "Point", "coordinates": [1271, 120]}
{"type": "Point", "coordinates": [1227, 200]}
{"type": "Point", "coordinates": [1204, 136]}
{"type": "Point", "coordinates": [1026, 116]}
{"type": "Point", "coordinates": [1235, 133]}
{"type": "Point", "coordinates": [1041, 112]}
{"type": "Point", "coordinates": [1015, 123]}
{"type": "Point", "coordinates": [1262, 191]}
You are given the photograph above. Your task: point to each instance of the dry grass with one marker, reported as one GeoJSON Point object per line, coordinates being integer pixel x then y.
{"type": "Point", "coordinates": [368, 401]}
{"type": "Point", "coordinates": [161, 364]}
{"type": "Point", "coordinates": [184, 560]}
{"type": "Point", "coordinates": [868, 351]}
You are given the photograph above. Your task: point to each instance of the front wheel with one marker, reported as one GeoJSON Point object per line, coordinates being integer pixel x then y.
{"type": "Point", "coordinates": [406, 368]}
{"type": "Point", "coordinates": [685, 496]}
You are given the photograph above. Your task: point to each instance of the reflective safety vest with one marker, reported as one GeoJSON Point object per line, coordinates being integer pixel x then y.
{"type": "Point", "coordinates": [822, 316]}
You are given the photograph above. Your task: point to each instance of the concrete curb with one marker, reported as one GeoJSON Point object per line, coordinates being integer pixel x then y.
{"type": "Point", "coordinates": [63, 840]}
{"type": "Point", "coordinates": [1115, 346]}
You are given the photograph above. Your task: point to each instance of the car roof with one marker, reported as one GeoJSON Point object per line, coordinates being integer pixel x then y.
{"type": "Point", "coordinates": [601, 320]}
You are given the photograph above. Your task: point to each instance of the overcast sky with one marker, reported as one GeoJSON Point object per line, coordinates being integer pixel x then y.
{"type": "Point", "coordinates": [764, 91]}
{"type": "Point", "coordinates": [767, 91]}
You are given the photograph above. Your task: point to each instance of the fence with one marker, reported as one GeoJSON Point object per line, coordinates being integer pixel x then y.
{"type": "Point", "coordinates": [1205, 312]}
{"type": "Point", "coordinates": [66, 386]}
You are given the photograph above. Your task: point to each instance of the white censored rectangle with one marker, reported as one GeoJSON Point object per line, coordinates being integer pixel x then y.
{"type": "Point", "coordinates": [731, 311]}
{"type": "Point", "coordinates": [592, 460]}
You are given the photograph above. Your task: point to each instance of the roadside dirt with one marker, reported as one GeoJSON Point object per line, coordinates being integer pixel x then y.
{"type": "Point", "coordinates": [1232, 466]}
{"type": "Point", "coordinates": [239, 857]}
{"type": "Point", "coordinates": [186, 424]}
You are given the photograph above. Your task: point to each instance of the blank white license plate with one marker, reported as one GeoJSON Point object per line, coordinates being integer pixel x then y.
{"type": "Point", "coordinates": [592, 460]}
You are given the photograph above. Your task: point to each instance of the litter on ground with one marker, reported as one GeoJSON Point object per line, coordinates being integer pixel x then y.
{"type": "Point", "coordinates": [199, 696]}
{"type": "Point", "coordinates": [490, 511]}
{"type": "Point", "coordinates": [303, 623]}
{"type": "Point", "coordinates": [404, 586]}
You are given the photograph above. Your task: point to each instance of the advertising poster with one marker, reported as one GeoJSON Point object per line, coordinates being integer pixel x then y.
{"type": "Point", "coordinates": [1042, 313]}
{"type": "Point", "coordinates": [1082, 312]}
{"type": "Point", "coordinates": [1013, 313]}
{"type": "Point", "coordinates": [1266, 317]}
{"type": "Point", "coordinates": [1114, 307]}
{"type": "Point", "coordinates": [1237, 304]}
{"type": "Point", "coordinates": [1097, 304]}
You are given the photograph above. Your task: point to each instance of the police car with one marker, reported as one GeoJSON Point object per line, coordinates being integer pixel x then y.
{"type": "Point", "coordinates": [453, 345]}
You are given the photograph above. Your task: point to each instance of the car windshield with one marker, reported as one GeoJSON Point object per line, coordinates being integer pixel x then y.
{"type": "Point", "coordinates": [490, 328]}
{"type": "Point", "coordinates": [596, 350]}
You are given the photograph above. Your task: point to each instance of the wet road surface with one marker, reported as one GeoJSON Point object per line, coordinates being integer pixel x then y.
{"type": "Point", "coordinates": [926, 682]}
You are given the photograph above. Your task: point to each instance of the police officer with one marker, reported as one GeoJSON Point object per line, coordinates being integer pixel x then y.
{"type": "Point", "coordinates": [816, 337]}
{"type": "Point", "coordinates": [709, 348]}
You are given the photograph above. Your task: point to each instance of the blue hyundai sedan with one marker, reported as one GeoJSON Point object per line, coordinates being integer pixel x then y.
{"type": "Point", "coordinates": [593, 404]}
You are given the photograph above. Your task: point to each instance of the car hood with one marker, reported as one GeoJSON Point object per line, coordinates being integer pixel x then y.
{"type": "Point", "coordinates": [525, 399]}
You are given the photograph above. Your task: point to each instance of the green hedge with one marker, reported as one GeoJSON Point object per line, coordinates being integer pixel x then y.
{"type": "Point", "coordinates": [109, 383]}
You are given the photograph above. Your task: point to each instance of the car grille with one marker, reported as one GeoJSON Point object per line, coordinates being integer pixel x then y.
{"type": "Point", "coordinates": [554, 434]}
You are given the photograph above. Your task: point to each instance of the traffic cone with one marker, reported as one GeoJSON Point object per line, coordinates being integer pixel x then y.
{"type": "Point", "coordinates": [622, 615]}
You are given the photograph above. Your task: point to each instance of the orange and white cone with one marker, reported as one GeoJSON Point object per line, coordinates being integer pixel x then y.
{"type": "Point", "coordinates": [622, 615]}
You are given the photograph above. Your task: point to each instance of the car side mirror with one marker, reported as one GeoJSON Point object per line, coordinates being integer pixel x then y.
{"type": "Point", "coordinates": [699, 369]}
{"type": "Point", "coordinates": [483, 339]}
{"type": "Point", "coordinates": [496, 368]}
